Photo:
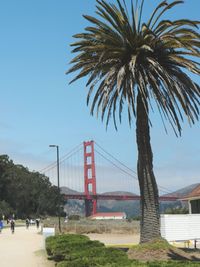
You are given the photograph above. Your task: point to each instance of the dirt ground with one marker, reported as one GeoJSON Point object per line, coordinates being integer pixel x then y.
{"type": "Point", "coordinates": [24, 248]}
{"type": "Point", "coordinates": [116, 239]}
{"type": "Point", "coordinates": [172, 253]}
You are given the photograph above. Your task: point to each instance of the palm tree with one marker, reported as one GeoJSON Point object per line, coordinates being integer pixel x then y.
{"type": "Point", "coordinates": [140, 66]}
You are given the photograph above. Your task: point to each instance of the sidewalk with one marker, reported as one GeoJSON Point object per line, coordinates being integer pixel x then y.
{"type": "Point", "coordinates": [24, 248]}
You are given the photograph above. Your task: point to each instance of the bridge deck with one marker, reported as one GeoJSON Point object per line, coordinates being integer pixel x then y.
{"type": "Point", "coordinates": [113, 197]}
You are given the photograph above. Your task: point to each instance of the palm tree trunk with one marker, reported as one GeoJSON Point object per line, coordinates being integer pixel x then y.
{"type": "Point", "coordinates": [149, 205]}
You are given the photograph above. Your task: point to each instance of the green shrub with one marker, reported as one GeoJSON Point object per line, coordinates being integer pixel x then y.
{"type": "Point", "coordinates": [101, 256]}
{"type": "Point", "coordinates": [97, 257]}
{"type": "Point", "coordinates": [62, 247]}
{"type": "Point", "coordinates": [88, 263]}
{"type": "Point", "coordinates": [62, 242]}
{"type": "Point", "coordinates": [77, 250]}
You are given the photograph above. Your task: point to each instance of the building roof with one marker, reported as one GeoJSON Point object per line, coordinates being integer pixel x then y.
{"type": "Point", "coordinates": [108, 214]}
{"type": "Point", "coordinates": [195, 194]}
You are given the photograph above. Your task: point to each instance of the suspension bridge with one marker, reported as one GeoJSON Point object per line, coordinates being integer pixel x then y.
{"type": "Point", "coordinates": [88, 171]}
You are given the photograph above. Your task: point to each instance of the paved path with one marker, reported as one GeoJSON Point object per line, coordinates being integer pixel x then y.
{"type": "Point", "coordinates": [116, 239]}
{"type": "Point", "coordinates": [24, 248]}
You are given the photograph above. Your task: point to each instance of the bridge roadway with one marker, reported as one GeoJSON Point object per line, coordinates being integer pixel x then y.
{"type": "Point", "coordinates": [113, 197]}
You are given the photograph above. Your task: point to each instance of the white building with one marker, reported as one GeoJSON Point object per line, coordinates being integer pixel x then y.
{"type": "Point", "coordinates": [109, 216]}
{"type": "Point", "coordinates": [182, 227]}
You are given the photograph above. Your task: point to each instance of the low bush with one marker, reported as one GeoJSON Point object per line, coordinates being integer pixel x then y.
{"type": "Point", "coordinates": [79, 251]}
{"type": "Point", "coordinates": [62, 247]}
{"type": "Point", "coordinates": [58, 246]}
{"type": "Point", "coordinates": [97, 257]}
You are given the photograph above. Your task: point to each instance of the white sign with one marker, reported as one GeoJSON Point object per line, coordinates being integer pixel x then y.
{"type": "Point", "coordinates": [47, 231]}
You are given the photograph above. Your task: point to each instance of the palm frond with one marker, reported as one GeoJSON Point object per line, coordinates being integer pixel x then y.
{"type": "Point", "coordinates": [123, 57]}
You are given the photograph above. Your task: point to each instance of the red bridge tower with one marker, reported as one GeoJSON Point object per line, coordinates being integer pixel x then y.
{"type": "Point", "coordinates": [89, 179]}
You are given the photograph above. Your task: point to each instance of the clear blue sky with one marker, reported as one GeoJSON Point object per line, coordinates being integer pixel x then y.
{"type": "Point", "coordinates": [39, 108]}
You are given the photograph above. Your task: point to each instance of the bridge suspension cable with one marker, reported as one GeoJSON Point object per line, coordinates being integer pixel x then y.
{"type": "Point", "coordinates": [63, 158]}
{"type": "Point", "coordinates": [115, 164]}
{"type": "Point", "coordinates": [161, 188]}
{"type": "Point", "coordinates": [106, 156]}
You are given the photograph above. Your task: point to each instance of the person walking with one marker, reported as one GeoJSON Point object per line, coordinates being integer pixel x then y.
{"type": "Point", "coordinates": [12, 226]}
{"type": "Point", "coordinates": [37, 223]}
{"type": "Point", "coordinates": [27, 223]}
{"type": "Point", "coordinates": [1, 225]}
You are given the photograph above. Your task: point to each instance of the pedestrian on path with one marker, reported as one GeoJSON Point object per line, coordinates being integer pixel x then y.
{"type": "Point", "coordinates": [37, 223]}
{"type": "Point", "coordinates": [27, 223]}
{"type": "Point", "coordinates": [1, 225]}
{"type": "Point", "coordinates": [12, 226]}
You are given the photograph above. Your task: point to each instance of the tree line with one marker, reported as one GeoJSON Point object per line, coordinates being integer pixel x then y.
{"type": "Point", "coordinates": [26, 193]}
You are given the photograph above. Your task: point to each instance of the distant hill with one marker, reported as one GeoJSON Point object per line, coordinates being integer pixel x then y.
{"type": "Point", "coordinates": [67, 190]}
{"type": "Point", "coordinates": [130, 207]}
{"type": "Point", "coordinates": [119, 193]}
{"type": "Point", "coordinates": [179, 194]}
{"type": "Point", "coordinates": [183, 191]}
{"type": "Point", "coordinates": [73, 206]}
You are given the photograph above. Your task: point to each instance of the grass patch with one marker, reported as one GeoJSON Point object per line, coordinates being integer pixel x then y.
{"type": "Point", "coordinates": [153, 245]}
